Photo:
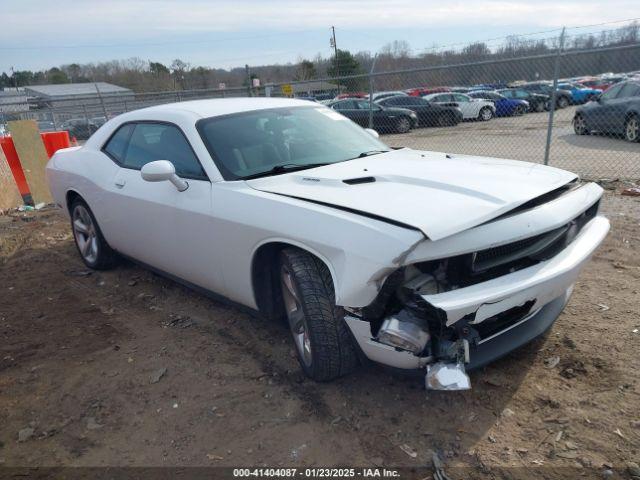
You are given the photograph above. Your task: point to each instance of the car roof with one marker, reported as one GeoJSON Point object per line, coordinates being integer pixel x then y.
{"type": "Point", "coordinates": [225, 106]}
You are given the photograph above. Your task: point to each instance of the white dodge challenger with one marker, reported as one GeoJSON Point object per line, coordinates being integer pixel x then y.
{"type": "Point", "coordinates": [417, 260]}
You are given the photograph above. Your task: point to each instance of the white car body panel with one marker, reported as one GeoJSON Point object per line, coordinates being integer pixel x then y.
{"type": "Point", "coordinates": [470, 109]}
{"type": "Point", "coordinates": [422, 206]}
{"type": "Point", "coordinates": [469, 190]}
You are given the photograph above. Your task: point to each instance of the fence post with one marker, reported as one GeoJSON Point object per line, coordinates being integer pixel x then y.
{"type": "Point", "coordinates": [373, 66]}
{"type": "Point", "coordinates": [552, 107]}
{"type": "Point", "coordinates": [86, 115]}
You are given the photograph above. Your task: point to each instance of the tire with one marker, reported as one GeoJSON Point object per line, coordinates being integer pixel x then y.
{"type": "Point", "coordinates": [447, 120]}
{"type": "Point", "coordinates": [92, 247]}
{"type": "Point", "coordinates": [520, 110]}
{"type": "Point", "coordinates": [539, 107]}
{"type": "Point", "coordinates": [562, 102]}
{"type": "Point", "coordinates": [632, 129]}
{"type": "Point", "coordinates": [403, 125]}
{"type": "Point", "coordinates": [485, 114]}
{"type": "Point", "coordinates": [322, 339]}
{"type": "Point", "coordinates": [580, 125]}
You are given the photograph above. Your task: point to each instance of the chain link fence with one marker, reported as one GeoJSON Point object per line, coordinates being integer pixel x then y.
{"type": "Point", "coordinates": [574, 108]}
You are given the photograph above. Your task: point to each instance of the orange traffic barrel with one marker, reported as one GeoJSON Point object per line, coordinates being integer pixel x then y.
{"type": "Point", "coordinates": [14, 163]}
{"type": "Point", "coordinates": [54, 141]}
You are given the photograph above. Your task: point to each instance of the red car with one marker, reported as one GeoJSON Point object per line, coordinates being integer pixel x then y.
{"type": "Point", "coordinates": [351, 95]}
{"type": "Point", "coordinates": [596, 83]}
{"type": "Point", "coordinates": [419, 92]}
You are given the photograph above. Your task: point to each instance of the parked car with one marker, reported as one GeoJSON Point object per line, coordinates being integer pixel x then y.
{"type": "Point", "coordinates": [505, 107]}
{"type": "Point", "coordinates": [596, 83]}
{"type": "Point", "coordinates": [417, 260]}
{"type": "Point", "coordinates": [617, 112]}
{"type": "Point", "coordinates": [385, 119]}
{"type": "Point", "coordinates": [472, 109]}
{"type": "Point", "coordinates": [538, 102]}
{"type": "Point", "coordinates": [391, 93]}
{"type": "Point", "coordinates": [429, 114]}
{"type": "Point", "coordinates": [563, 97]}
{"type": "Point", "coordinates": [98, 121]}
{"type": "Point", "coordinates": [422, 91]}
{"type": "Point", "coordinates": [3, 130]}
{"type": "Point", "coordinates": [579, 93]}
{"type": "Point", "coordinates": [79, 128]}
{"type": "Point", "coordinates": [351, 95]}
{"type": "Point", "coordinates": [46, 126]}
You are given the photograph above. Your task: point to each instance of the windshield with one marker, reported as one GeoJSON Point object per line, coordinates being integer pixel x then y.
{"type": "Point", "coordinates": [249, 143]}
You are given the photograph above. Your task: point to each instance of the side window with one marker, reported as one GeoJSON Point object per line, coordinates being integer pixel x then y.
{"type": "Point", "coordinates": [346, 105]}
{"type": "Point", "coordinates": [612, 92]}
{"type": "Point", "coordinates": [458, 97]}
{"type": "Point", "coordinates": [158, 141]}
{"type": "Point", "coordinates": [522, 94]}
{"type": "Point", "coordinates": [630, 90]}
{"type": "Point", "coordinates": [507, 93]}
{"type": "Point", "coordinates": [117, 145]}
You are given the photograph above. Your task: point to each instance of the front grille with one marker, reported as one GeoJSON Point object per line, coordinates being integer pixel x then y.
{"type": "Point", "coordinates": [536, 248]}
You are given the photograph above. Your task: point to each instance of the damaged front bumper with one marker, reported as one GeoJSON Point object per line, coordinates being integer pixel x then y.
{"type": "Point", "coordinates": [540, 292]}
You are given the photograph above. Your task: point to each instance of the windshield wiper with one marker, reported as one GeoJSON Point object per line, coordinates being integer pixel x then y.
{"type": "Point", "coordinates": [370, 152]}
{"type": "Point", "coordinates": [284, 168]}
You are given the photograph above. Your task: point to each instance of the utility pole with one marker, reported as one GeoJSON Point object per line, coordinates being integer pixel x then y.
{"type": "Point", "coordinates": [333, 43]}
{"type": "Point", "coordinates": [248, 75]}
{"type": "Point", "coordinates": [15, 79]}
{"type": "Point", "coordinates": [554, 95]}
{"type": "Point", "coordinates": [335, 48]}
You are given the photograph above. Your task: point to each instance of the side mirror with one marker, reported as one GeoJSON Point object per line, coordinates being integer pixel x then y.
{"type": "Point", "coordinates": [372, 132]}
{"type": "Point", "coordinates": [160, 171]}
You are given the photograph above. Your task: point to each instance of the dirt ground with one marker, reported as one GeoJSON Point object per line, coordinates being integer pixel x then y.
{"type": "Point", "coordinates": [81, 353]}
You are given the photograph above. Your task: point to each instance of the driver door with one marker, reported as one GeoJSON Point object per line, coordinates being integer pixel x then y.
{"type": "Point", "coordinates": [152, 222]}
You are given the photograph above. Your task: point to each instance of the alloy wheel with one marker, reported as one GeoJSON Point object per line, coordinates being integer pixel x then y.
{"type": "Point", "coordinates": [295, 316]}
{"type": "Point", "coordinates": [632, 130]}
{"type": "Point", "coordinates": [486, 114]}
{"type": "Point", "coordinates": [85, 234]}
{"type": "Point", "coordinates": [579, 125]}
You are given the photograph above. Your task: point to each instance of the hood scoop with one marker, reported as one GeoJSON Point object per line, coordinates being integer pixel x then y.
{"type": "Point", "coordinates": [358, 181]}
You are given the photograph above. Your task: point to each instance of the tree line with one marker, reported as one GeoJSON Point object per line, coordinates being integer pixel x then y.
{"type": "Point", "coordinates": [150, 76]}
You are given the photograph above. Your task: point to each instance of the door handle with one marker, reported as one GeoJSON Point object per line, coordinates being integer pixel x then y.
{"type": "Point", "coordinates": [121, 182]}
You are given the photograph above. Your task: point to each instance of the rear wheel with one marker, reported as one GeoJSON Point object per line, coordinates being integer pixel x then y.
{"type": "Point", "coordinates": [322, 341]}
{"type": "Point", "coordinates": [403, 125]}
{"type": "Point", "coordinates": [563, 102]}
{"type": "Point", "coordinates": [93, 248]}
{"type": "Point", "coordinates": [519, 110]}
{"type": "Point", "coordinates": [632, 129]}
{"type": "Point", "coordinates": [485, 114]}
{"type": "Point", "coordinates": [580, 125]}
{"type": "Point", "coordinates": [447, 119]}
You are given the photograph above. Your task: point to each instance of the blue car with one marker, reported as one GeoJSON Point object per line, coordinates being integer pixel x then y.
{"type": "Point", "coordinates": [579, 93]}
{"type": "Point", "coordinates": [505, 107]}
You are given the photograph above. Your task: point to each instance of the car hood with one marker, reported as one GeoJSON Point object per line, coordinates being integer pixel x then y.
{"type": "Point", "coordinates": [433, 192]}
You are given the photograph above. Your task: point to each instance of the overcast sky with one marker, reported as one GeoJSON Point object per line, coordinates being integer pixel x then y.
{"type": "Point", "coordinates": [37, 34]}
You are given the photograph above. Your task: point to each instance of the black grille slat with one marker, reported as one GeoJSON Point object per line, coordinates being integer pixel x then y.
{"type": "Point", "coordinates": [535, 248]}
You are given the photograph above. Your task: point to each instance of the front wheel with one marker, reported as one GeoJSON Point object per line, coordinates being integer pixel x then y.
{"type": "Point", "coordinates": [632, 129]}
{"type": "Point", "coordinates": [540, 107]}
{"type": "Point", "coordinates": [93, 248]}
{"type": "Point", "coordinates": [580, 125]}
{"type": "Point", "coordinates": [520, 110]}
{"type": "Point", "coordinates": [485, 114]}
{"type": "Point", "coordinates": [403, 125]}
{"type": "Point", "coordinates": [322, 341]}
